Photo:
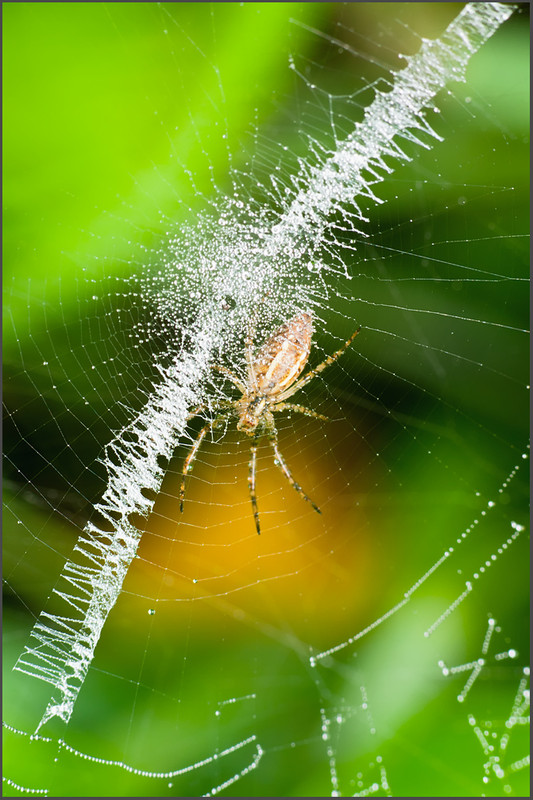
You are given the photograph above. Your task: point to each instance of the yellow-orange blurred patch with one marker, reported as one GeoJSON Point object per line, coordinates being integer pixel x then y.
{"type": "Point", "coordinates": [302, 571]}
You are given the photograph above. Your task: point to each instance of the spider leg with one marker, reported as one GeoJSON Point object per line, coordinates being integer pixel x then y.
{"type": "Point", "coordinates": [230, 376]}
{"type": "Point", "coordinates": [300, 409]}
{"type": "Point", "coordinates": [310, 375]}
{"type": "Point", "coordinates": [248, 351]}
{"type": "Point", "coordinates": [251, 482]}
{"type": "Point", "coordinates": [195, 412]}
{"type": "Point", "coordinates": [249, 345]}
{"type": "Point", "coordinates": [187, 464]}
{"type": "Point", "coordinates": [280, 462]}
{"type": "Point", "coordinates": [198, 410]}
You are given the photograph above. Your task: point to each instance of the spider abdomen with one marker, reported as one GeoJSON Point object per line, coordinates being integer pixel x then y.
{"type": "Point", "coordinates": [283, 357]}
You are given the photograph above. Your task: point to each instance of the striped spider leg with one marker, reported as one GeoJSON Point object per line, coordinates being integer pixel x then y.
{"type": "Point", "coordinates": [272, 378]}
{"type": "Point", "coordinates": [191, 455]}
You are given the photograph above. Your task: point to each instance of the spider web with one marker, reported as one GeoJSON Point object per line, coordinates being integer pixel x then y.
{"type": "Point", "coordinates": [379, 648]}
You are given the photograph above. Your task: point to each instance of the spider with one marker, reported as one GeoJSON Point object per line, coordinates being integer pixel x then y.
{"type": "Point", "coordinates": [272, 377]}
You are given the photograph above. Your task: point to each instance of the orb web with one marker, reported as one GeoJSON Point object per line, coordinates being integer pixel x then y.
{"type": "Point", "coordinates": [179, 652]}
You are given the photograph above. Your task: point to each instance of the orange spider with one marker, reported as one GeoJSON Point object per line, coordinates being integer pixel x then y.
{"type": "Point", "coordinates": [271, 379]}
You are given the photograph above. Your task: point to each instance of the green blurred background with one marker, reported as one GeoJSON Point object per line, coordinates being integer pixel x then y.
{"type": "Point", "coordinates": [108, 109]}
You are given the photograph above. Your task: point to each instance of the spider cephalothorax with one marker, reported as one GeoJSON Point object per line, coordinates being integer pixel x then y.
{"type": "Point", "coordinates": [272, 376]}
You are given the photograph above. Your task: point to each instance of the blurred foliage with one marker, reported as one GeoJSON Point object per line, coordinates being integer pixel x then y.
{"type": "Point", "coordinates": [107, 109]}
